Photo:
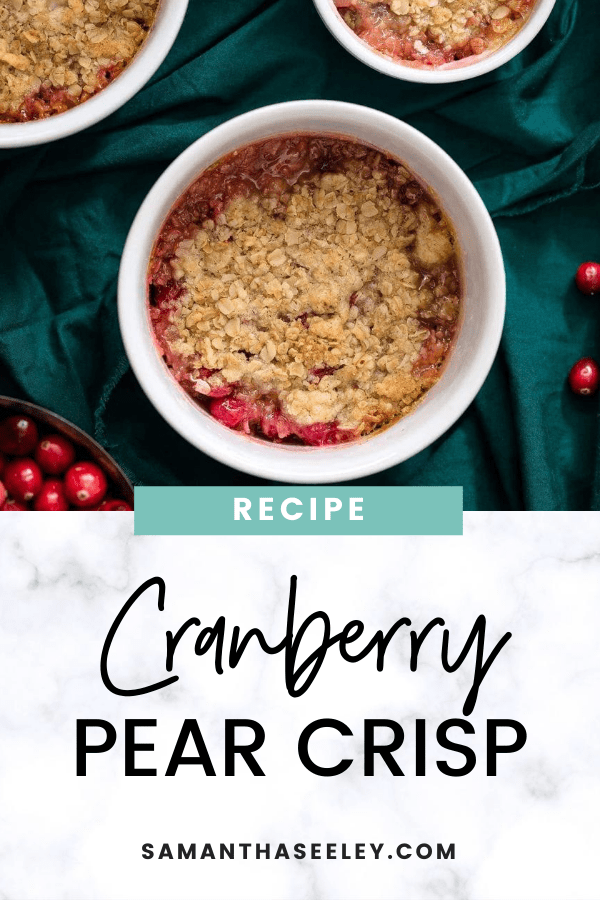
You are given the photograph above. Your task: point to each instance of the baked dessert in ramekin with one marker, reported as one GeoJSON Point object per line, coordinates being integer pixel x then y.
{"type": "Point", "coordinates": [228, 285]}
{"type": "Point", "coordinates": [306, 289]}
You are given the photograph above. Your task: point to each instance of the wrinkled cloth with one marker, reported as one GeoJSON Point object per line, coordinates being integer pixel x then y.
{"type": "Point", "coordinates": [528, 135]}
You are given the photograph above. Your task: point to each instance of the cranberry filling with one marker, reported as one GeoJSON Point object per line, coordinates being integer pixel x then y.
{"type": "Point", "coordinates": [50, 101]}
{"type": "Point", "coordinates": [271, 170]}
{"type": "Point", "coordinates": [395, 35]}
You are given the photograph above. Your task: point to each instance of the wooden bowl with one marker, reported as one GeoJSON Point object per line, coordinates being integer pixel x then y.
{"type": "Point", "coordinates": [87, 447]}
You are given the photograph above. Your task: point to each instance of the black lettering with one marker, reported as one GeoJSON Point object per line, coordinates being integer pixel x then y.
{"type": "Point", "coordinates": [182, 853]}
{"type": "Point", "coordinates": [416, 641]}
{"type": "Point", "coordinates": [400, 848]}
{"type": "Point", "coordinates": [135, 692]}
{"type": "Point", "coordinates": [83, 748]}
{"type": "Point", "coordinates": [420, 747]}
{"type": "Point", "coordinates": [207, 638]}
{"type": "Point", "coordinates": [190, 728]}
{"type": "Point", "coordinates": [246, 751]}
{"type": "Point", "coordinates": [352, 631]}
{"type": "Point", "coordinates": [173, 640]}
{"type": "Point", "coordinates": [445, 854]}
{"type": "Point", "coordinates": [445, 742]}
{"type": "Point", "coordinates": [131, 747]}
{"type": "Point", "coordinates": [481, 667]}
{"type": "Point", "coordinates": [303, 753]}
{"type": "Point", "coordinates": [147, 851]}
{"type": "Point", "coordinates": [384, 750]}
{"type": "Point", "coordinates": [493, 748]}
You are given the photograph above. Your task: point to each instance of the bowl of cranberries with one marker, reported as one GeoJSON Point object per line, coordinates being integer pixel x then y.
{"type": "Point", "coordinates": [49, 465]}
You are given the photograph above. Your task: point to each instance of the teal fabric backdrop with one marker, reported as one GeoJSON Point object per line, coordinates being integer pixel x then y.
{"type": "Point", "coordinates": [528, 135]}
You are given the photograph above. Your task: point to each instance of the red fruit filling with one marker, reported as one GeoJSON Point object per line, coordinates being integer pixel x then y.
{"type": "Point", "coordinates": [435, 34]}
{"type": "Point", "coordinates": [49, 101]}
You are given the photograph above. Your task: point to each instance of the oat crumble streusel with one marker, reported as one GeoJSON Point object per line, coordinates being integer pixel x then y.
{"type": "Point", "coordinates": [54, 54]}
{"type": "Point", "coordinates": [434, 32]}
{"type": "Point", "coordinates": [306, 289]}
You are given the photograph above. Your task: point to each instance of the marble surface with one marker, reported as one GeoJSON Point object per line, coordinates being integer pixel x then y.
{"type": "Point", "coordinates": [531, 833]}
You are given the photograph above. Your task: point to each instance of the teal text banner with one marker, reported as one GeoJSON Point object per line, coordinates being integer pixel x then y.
{"type": "Point", "coordinates": [299, 510]}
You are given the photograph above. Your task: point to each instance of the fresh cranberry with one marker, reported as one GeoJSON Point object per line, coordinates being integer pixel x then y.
{"type": "Point", "coordinates": [18, 435]}
{"type": "Point", "coordinates": [23, 479]}
{"type": "Point", "coordinates": [14, 506]}
{"type": "Point", "coordinates": [85, 485]}
{"type": "Point", "coordinates": [115, 506]}
{"type": "Point", "coordinates": [51, 498]}
{"type": "Point", "coordinates": [3, 495]}
{"type": "Point", "coordinates": [584, 377]}
{"type": "Point", "coordinates": [588, 278]}
{"type": "Point", "coordinates": [55, 454]}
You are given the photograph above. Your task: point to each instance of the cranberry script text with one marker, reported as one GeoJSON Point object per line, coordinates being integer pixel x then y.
{"type": "Point", "coordinates": [303, 656]}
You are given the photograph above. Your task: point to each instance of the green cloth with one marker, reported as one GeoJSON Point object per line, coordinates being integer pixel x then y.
{"type": "Point", "coordinates": [528, 135]}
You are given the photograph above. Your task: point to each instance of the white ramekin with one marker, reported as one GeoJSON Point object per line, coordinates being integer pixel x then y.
{"type": "Point", "coordinates": [142, 67]}
{"type": "Point", "coordinates": [470, 361]}
{"type": "Point", "coordinates": [457, 71]}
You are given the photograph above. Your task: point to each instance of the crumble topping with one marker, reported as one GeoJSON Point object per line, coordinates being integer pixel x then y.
{"type": "Point", "coordinates": [434, 32]}
{"type": "Point", "coordinates": [65, 47]}
{"type": "Point", "coordinates": [336, 299]}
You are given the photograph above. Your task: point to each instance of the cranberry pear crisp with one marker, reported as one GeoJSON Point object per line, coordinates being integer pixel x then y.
{"type": "Point", "coordinates": [54, 54]}
{"type": "Point", "coordinates": [434, 32]}
{"type": "Point", "coordinates": [306, 289]}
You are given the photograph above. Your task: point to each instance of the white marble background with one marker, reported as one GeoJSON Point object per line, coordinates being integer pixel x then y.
{"type": "Point", "coordinates": [531, 833]}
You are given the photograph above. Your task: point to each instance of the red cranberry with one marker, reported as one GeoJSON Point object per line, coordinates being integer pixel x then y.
{"type": "Point", "coordinates": [18, 435]}
{"type": "Point", "coordinates": [2, 464]}
{"type": "Point", "coordinates": [588, 278]}
{"type": "Point", "coordinates": [3, 495]}
{"type": "Point", "coordinates": [55, 454]}
{"type": "Point", "coordinates": [23, 479]}
{"type": "Point", "coordinates": [115, 506]}
{"type": "Point", "coordinates": [51, 498]}
{"type": "Point", "coordinates": [14, 506]}
{"type": "Point", "coordinates": [85, 485]}
{"type": "Point", "coordinates": [584, 377]}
